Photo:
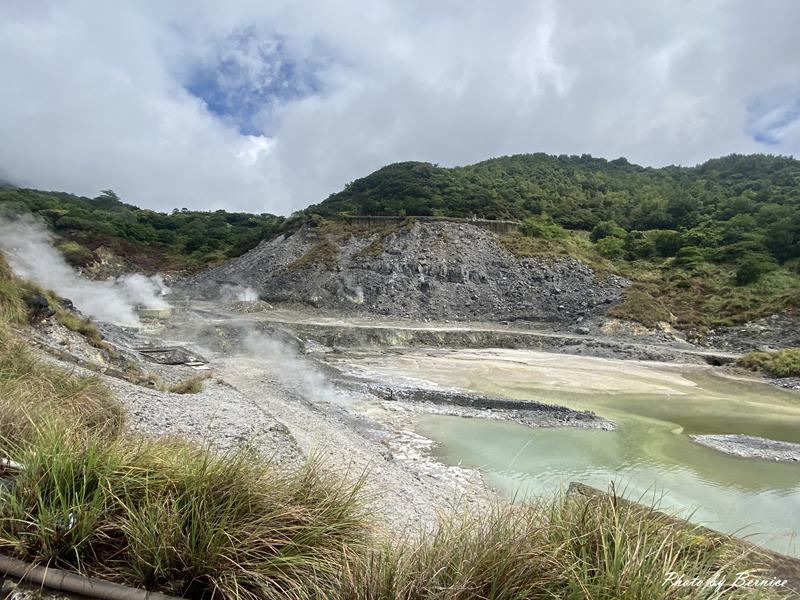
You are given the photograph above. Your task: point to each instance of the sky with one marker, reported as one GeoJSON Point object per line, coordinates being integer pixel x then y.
{"type": "Point", "coordinates": [269, 106]}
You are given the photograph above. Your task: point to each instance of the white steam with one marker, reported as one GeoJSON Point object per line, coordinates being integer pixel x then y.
{"type": "Point", "coordinates": [357, 295]}
{"type": "Point", "coordinates": [28, 247]}
{"type": "Point", "coordinates": [147, 292]}
{"type": "Point", "coordinates": [229, 293]}
{"type": "Point", "coordinates": [296, 372]}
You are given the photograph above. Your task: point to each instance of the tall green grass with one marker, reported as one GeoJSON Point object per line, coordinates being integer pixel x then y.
{"type": "Point", "coordinates": [31, 390]}
{"type": "Point", "coordinates": [167, 515]}
{"type": "Point", "coordinates": [572, 547]}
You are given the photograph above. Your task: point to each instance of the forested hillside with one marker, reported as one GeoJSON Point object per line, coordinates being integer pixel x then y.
{"type": "Point", "coordinates": [708, 245]}
{"type": "Point", "coordinates": [152, 240]}
{"type": "Point", "coordinates": [746, 203]}
{"type": "Point", "coordinates": [713, 244]}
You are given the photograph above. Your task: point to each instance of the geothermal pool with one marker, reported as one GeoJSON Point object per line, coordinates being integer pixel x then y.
{"type": "Point", "coordinates": [649, 456]}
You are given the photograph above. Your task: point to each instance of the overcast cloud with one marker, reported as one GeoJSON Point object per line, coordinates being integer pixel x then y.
{"type": "Point", "coordinates": [268, 106]}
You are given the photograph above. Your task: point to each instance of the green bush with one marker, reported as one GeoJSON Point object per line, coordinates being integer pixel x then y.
{"type": "Point", "coordinates": [667, 243]}
{"type": "Point", "coordinates": [611, 247]}
{"type": "Point", "coordinates": [75, 254]}
{"type": "Point", "coordinates": [542, 228]}
{"type": "Point", "coordinates": [752, 267]}
{"type": "Point", "coordinates": [782, 363]}
{"type": "Point", "coordinates": [690, 257]}
{"type": "Point", "coordinates": [606, 229]}
{"type": "Point", "coordinates": [640, 245]}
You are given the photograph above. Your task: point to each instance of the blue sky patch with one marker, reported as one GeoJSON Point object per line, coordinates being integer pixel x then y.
{"type": "Point", "coordinates": [771, 113]}
{"type": "Point", "coordinates": [249, 74]}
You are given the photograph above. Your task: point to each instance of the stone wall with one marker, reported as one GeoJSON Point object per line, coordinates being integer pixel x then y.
{"type": "Point", "coordinates": [498, 227]}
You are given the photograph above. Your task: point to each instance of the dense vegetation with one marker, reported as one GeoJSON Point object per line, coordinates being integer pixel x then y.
{"type": "Point", "coordinates": [708, 245]}
{"type": "Point", "coordinates": [166, 515]}
{"type": "Point", "coordinates": [152, 240]}
{"type": "Point", "coordinates": [723, 209]}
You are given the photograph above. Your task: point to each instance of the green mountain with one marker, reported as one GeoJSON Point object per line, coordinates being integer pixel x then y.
{"type": "Point", "coordinates": [709, 245]}
{"type": "Point", "coordinates": [753, 201]}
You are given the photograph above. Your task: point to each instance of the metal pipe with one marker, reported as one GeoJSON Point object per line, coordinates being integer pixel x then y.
{"type": "Point", "coordinates": [57, 579]}
{"type": "Point", "coordinates": [7, 463]}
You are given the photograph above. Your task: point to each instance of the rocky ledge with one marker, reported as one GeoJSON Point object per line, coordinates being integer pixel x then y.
{"type": "Point", "coordinates": [750, 446]}
{"type": "Point", "coordinates": [452, 402]}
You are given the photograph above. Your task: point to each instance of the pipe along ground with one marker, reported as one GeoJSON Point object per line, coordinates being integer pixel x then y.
{"type": "Point", "coordinates": [56, 579]}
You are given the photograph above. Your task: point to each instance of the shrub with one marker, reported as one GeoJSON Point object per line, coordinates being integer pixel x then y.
{"type": "Point", "coordinates": [739, 250]}
{"type": "Point", "coordinates": [75, 254]}
{"type": "Point", "coordinates": [611, 247]}
{"type": "Point", "coordinates": [606, 229]}
{"type": "Point", "coordinates": [752, 267]}
{"type": "Point", "coordinates": [639, 245]}
{"type": "Point", "coordinates": [689, 257]}
{"type": "Point", "coordinates": [782, 363]}
{"type": "Point", "coordinates": [542, 228]}
{"type": "Point", "coordinates": [667, 242]}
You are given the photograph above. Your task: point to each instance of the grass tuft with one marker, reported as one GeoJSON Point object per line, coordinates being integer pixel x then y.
{"type": "Point", "coordinates": [170, 516]}
{"type": "Point", "coordinates": [87, 329]}
{"type": "Point", "coordinates": [574, 547]}
{"type": "Point", "coordinates": [31, 389]}
{"type": "Point", "coordinates": [323, 254]}
{"type": "Point", "coordinates": [191, 385]}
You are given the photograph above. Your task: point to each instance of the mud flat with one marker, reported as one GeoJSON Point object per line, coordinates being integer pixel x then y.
{"type": "Point", "coordinates": [750, 446]}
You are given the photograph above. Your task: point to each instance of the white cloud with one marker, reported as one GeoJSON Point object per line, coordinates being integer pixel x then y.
{"type": "Point", "coordinates": [94, 94]}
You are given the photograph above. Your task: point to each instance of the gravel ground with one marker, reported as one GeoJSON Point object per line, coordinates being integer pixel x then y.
{"type": "Point", "coordinates": [219, 414]}
{"type": "Point", "coordinates": [281, 403]}
{"type": "Point", "coordinates": [408, 487]}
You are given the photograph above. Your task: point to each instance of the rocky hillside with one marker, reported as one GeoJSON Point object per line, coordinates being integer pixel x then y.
{"type": "Point", "coordinates": [436, 270]}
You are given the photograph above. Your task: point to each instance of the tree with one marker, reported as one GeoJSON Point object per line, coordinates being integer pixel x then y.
{"type": "Point", "coordinates": [667, 242]}
{"type": "Point", "coordinates": [606, 229]}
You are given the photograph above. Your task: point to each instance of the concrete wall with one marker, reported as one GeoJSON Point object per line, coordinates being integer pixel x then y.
{"type": "Point", "coordinates": [498, 227]}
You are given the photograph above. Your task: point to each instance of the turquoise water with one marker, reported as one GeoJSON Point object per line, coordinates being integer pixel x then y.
{"type": "Point", "coordinates": [649, 456]}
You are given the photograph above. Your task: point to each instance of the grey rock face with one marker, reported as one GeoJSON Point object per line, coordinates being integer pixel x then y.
{"type": "Point", "coordinates": [429, 270]}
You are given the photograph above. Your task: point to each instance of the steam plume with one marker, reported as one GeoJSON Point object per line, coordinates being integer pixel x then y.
{"type": "Point", "coordinates": [296, 372]}
{"type": "Point", "coordinates": [28, 247]}
{"type": "Point", "coordinates": [229, 292]}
